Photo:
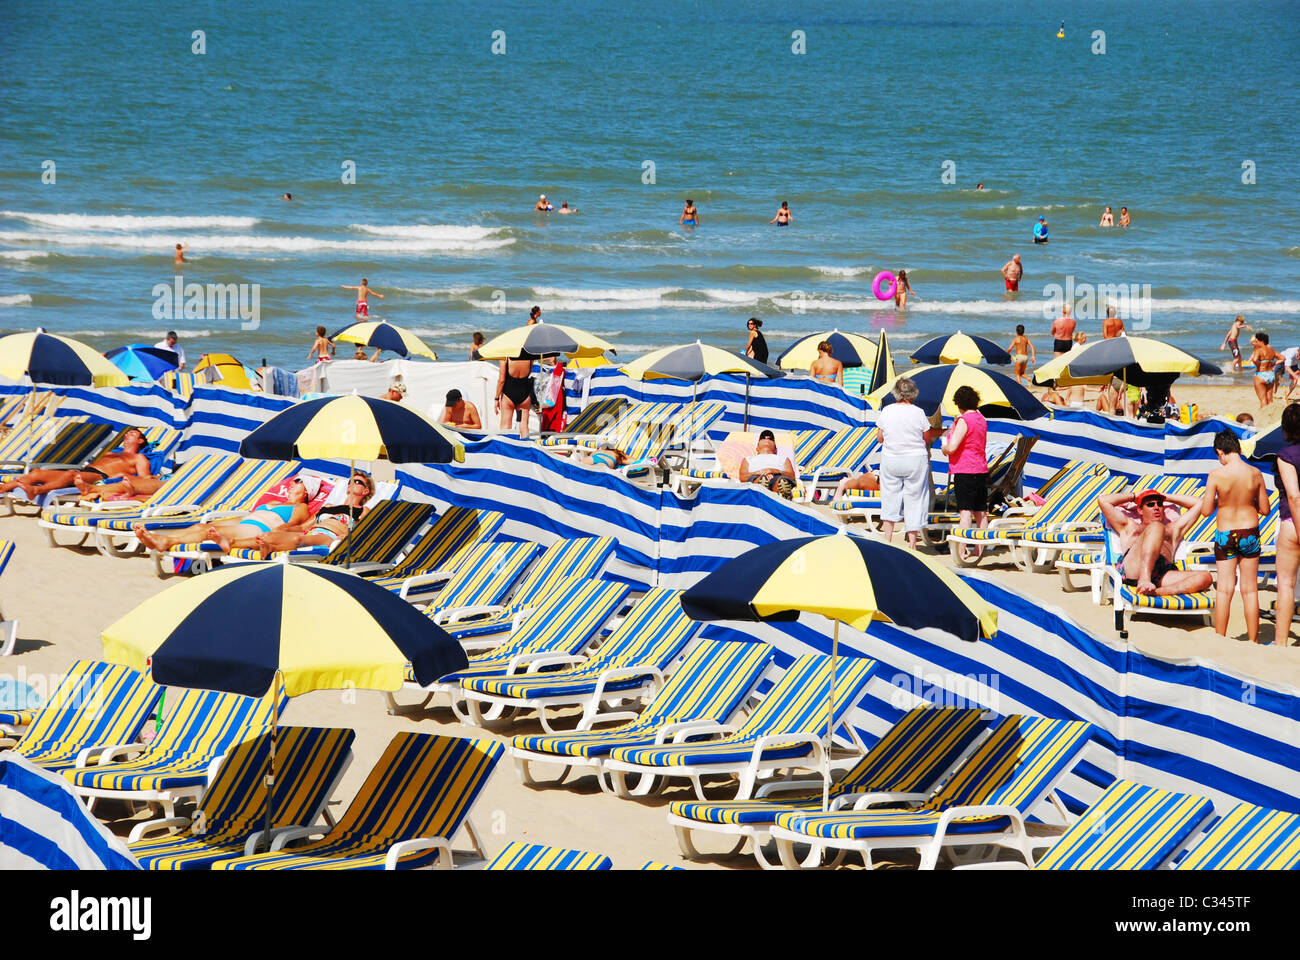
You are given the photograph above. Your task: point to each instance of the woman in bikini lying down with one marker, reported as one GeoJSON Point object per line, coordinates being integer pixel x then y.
{"type": "Point", "coordinates": [331, 522]}
{"type": "Point", "coordinates": [292, 515]}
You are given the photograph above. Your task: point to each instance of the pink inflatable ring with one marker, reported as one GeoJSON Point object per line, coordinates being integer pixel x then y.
{"type": "Point", "coordinates": [885, 285]}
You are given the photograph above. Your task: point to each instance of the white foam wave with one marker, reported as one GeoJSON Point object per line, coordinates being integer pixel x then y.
{"type": "Point", "coordinates": [23, 254]}
{"type": "Point", "coordinates": [615, 295]}
{"type": "Point", "coordinates": [236, 243]}
{"type": "Point", "coordinates": [843, 271]}
{"type": "Point", "coordinates": [142, 333]}
{"type": "Point", "coordinates": [86, 221]}
{"type": "Point", "coordinates": [1052, 206]}
{"type": "Point", "coordinates": [430, 231]}
{"type": "Point", "coordinates": [16, 300]}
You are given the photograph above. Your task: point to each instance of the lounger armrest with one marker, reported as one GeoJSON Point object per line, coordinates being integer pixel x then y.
{"type": "Point", "coordinates": [420, 579]}
{"type": "Point", "coordinates": [172, 508]}
{"type": "Point", "coordinates": [291, 834]}
{"type": "Point", "coordinates": [555, 659]}
{"type": "Point", "coordinates": [625, 673]}
{"type": "Point", "coordinates": [684, 729]}
{"type": "Point", "coordinates": [1026, 511]}
{"type": "Point", "coordinates": [622, 716]}
{"type": "Point", "coordinates": [255, 841]}
{"type": "Point", "coordinates": [398, 850]}
{"type": "Point", "coordinates": [210, 515]}
{"type": "Point", "coordinates": [101, 506]}
{"type": "Point", "coordinates": [978, 810]}
{"type": "Point", "coordinates": [787, 786]}
{"type": "Point", "coordinates": [785, 740]}
{"type": "Point", "coordinates": [529, 659]}
{"type": "Point", "coordinates": [995, 865]}
{"type": "Point", "coordinates": [107, 753]}
{"type": "Point", "coordinates": [457, 614]}
{"type": "Point", "coordinates": [483, 644]}
{"type": "Point", "coordinates": [865, 801]}
{"type": "Point", "coordinates": [173, 826]}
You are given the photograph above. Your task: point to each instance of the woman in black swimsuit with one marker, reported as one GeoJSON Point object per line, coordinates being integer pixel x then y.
{"type": "Point", "coordinates": [757, 347]}
{"type": "Point", "coordinates": [515, 392]}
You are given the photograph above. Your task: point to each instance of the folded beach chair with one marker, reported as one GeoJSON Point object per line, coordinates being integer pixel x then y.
{"type": "Point", "coordinates": [844, 453]}
{"type": "Point", "coordinates": [535, 856]}
{"type": "Point", "coordinates": [563, 623]}
{"type": "Point", "coordinates": [8, 628]}
{"type": "Point", "coordinates": [1129, 827]}
{"type": "Point", "coordinates": [193, 484]}
{"type": "Point", "coordinates": [230, 819]}
{"type": "Point", "coordinates": [910, 761]}
{"type": "Point", "coordinates": [439, 552]}
{"type": "Point", "coordinates": [710, 687]}
{"type": "Point", "coordinates": [11, 408]}
{"type": "Point", "coordinates": [412, 804]}
{"type": "Point", "coordinates": [629, 664]}
{"type": "Point", "coordinates": [688, 426]}
{"type": "Point", "coordinates": [201, 726]}
{"type": "Point", "coordinates": [785, 731]}
{"type": "Point", "coordinates": [95, 705]}
{"type": "Point", "coordinates": [1247, 838]}
{"type": "Point", "coordinates": [482, 626]}
{"type": "Point", "coordinates": [986, 800]}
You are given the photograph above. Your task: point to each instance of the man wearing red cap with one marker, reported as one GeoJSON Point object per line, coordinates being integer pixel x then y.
{"type": "Point", "coordinates": [1149, 541]}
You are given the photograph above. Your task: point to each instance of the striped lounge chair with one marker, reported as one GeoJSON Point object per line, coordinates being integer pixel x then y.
{"type": "Point", "coordinates": [437, 554]}
{"type": "Point", "coordinates": [8, 628]}
{"type": "Point", "coordinates": [1129, 827]}
{"type": "Point", "coordinates": [1006, 473]}
{"type": "Point", "coordinates": [844, 453]}
{"type": "Point", "coordinates": [65, 442]}
{"type": "Point", "coordinates": [656, 865]}
{"type": "Point", "coordinates": [483, 626]}
{"type": "Point", "coordinates": [629, 664]}
{"type": "Point", "coordinates": [606, 432]}
{"type": "Point", "coordinates": [724, 470]}
{"type": "Point", "coordinates": [193, 484]}
{"type": "Point", "coordinates": [412, 804]}
{"type": "Point", "coordinates": [1197, 604]}
{"type": "Point", "coordinates": [378, 539]}
{"type": "Point", "coordinates": [202, 725]}
{"type": "Point", "coordinates": [563, 623]}
{"type": "Point", "coordinates": [536, 856]}
{"type": "Point", "coordinates": [486, 574]}
{"type": "Point", "coordinates": [986, 800]}
{"type": "Point", "coordinates": [593, 420]}
{"type": "Point", "coordinates": [907, 763]}
{"type": "Point", "coordinates": [230, 819]}
{"type": "Point", "coordinates": [785, 731]}
{"type": "Point", "coordinates": [94, 704]}
{"type": "Point", "coordinates": [710, 687]}
{"type": "Point", "coordinates": [1247, 838]}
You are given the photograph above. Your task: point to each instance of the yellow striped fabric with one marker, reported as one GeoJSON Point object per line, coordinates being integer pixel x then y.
{"type": "Point", "coordinates": [485, 573]}
{"type": "Point", "coordinates": [536, 856]}
{"type": "Point", "coordinates": [193, 482]}
{"type": "Point", "coordinates": [445, 545]}
{"type": "Point", "coordinates": [1248, 838]}
{"type": "Point", "coordinates": [381, 534]}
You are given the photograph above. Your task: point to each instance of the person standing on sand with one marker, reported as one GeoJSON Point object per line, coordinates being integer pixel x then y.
{"type": "Point", "coordinates": [1123, 217]}
{"type": "Point", "coordinates": [690, 216]}
{"type": "Point", "coordinates": [1230, 340]}
{"type": "Point", "coordinates": [1012, 271]}
{"type": "Point", "coordinates": [1287, 483]}
{"type": "Point", "coordinates": [1265, 359]}
{"type": "Point", "coordinates": [1063, 332]}
{"type": "Point", "coordinates": [1237, 492]}
{"type": "Point", "coordinates": [1107, 218]}
{"type": "Point", "coordinates": [363, 296]}
{"type": "Point", "coordinates": [1112, 326]}
{"type": "Point", "coordinates": [826, 368]}
{"type": "Point", "coordinates": [756, 345]}
{"type": "Point", "coordinates": [1022, 351]}
{"type": "Point", "coordinates": [968, 467]}
{"type": "Point", "coordinates": [782, 218]}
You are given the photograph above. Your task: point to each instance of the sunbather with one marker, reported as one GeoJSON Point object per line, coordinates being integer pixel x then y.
{"type": "Point", "coordinates": [128, 461]}
{"type": "Point", "coordinates": [124, 488]}
{"type": "Point", "coordinates": [331, 523]}
{"type": "Point", "coordinates": [292, 515]}
{"type": "Point", "coordinates": [767, 468]}
{"type": "Point", "coordinates": [1148, 544]}
{"type": "Point", "coordinates": [868, 481]}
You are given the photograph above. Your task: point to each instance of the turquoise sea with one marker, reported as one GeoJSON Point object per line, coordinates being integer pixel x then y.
{"type": "Point", "coordinates": [154, 144]}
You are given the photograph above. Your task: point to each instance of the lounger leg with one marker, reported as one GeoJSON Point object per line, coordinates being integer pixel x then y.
{"type": "Point", "coordinates": [689, 850]}
{"type": "Point", "coordinates": [396, 709]}
{"type": "Point", "coordinates": [527, 778]}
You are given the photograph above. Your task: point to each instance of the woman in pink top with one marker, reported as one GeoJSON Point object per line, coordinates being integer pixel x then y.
{"type": "Point", "coordinates": [968, 469]}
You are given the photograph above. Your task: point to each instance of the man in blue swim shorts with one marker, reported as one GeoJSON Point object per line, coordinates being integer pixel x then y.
{"type": "Point", "coordinates": [1236, 495]}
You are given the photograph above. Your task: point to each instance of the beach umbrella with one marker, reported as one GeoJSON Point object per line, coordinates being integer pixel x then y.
{"type": "Point", "coordinates": [846, 579]}
{"type": "Point", "coordinates": [694, 362]}
{"type": "Point", "coordinates": [139, 361]}
{"type": "Point", "coordinates": [223, 369]}
{"type": "Point", "coordinates": [1141, 361]}
{"type": "Point", "coordinates": [1001, 398]}
{"type": "Point", "coordinates": [58, 361]}
{"type": "Point", "coordinates": [960, 348]}
{"type": "Point", "coordinates": [882, 372]}
{"type": "Point", "coordinates": [385, 336]}
{"type": "Point", "coordinates": [1264, 444]}
{"type": "Point", "coordinates": [355, 428]}
{"type": "Point", "coordinates": [45, 826]}
{"type": "Point", "coordinates": [308, 627]}
{"type": "Point", "coordinates": [535, 340]}
{"type": "Point", "coordinates": [850, 349]}
{"type": "Point", "coordinates": [1061, 367]}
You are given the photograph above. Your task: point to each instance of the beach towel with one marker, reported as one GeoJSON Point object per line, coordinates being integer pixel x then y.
{"type": "Point", "coordinates": [280, 494]}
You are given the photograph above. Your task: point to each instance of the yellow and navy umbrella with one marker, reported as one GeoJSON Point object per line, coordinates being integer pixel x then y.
{"type": "Point", "coordinates": [850, 349]}
{"type": "Point", "coordinates": [385, 336]}
{"type": "Point", "coordinates": [352, 428]}
{"type": "Point", "coordinates": [223, 369]}
{"type": "Point", "coordinates": [695, 361]}
{"type": "Point", "coordinates": [847, 579]}
{"type": "Point", "coordinates": [1000, 396]}
{"type": "Point", "coordinates": [1141, 361]}
{"type": "Point", "coordinates": [1264, 444]}
{"type": "Point", "coordinates": [536, 340]}
{"type": "Point", "coordinates": [1060, 367]}
{"type": "Point", "coordinates": [960, 348]}
{"type": "Point", "coordinates": [58, 361]}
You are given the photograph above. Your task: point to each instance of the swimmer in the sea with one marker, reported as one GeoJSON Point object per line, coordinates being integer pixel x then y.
{"type": "Point", "coordinates": [1063, 332]}
{"type": "Point", "coordinates": [1107, 218]}
{"type": "Point", "coordinates": [565, 208]}
{"type": "Point", "coordinates": [1112, 326]}
{"type": "Point", "coordinates": [1230, 340]}
{"type": "Point", "coordinates": [286, 196]}
{"type": "Point", "coordinates": [542, 206]}
{"type": "Point", "coordinates": [979, 186]}
{"type": "Point", "coordinates": [1124, 220]}
{"type": "Point", "coordinates": [782, 218]}
{"type": "Point", "coordinates": [181, 250]}
{"type": "Point", "coordinates": [690, 216]}
{"type": "Point", "coordinates": [1040, 230]}
{"type": "Point", "coordinates": [363, 294]}
{"type": "Point", "coordinates": [1012, 271]}
{"type": "Point", "coordinates": [1022, 352]}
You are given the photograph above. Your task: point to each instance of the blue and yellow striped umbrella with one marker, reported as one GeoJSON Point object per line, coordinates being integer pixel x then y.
{"type": "Point", "coordinates": [850, 349]}
{"type": "Point", "coordinates": [319, 627]}
{"type": "Point", "coordinates": [58, 361]}
{"type": "Point", "coordinates": [352, 428]}
{"type": "Point", "coordinates": [536, 340]}
{"type": "Point", "coordinates": [1000, 396]}
{"type": "Point", "coordinates": [960, 348]}
{"type": "Point", "coordinates": [385, 336]}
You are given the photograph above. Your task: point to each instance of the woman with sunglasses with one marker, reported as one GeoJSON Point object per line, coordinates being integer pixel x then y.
{"type": "Point", "coordinates": [332, 523]}
{"type": "Point", "coordinates": [291, 514]}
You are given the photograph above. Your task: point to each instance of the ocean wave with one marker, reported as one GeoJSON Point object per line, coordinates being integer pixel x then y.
{"type": "Point", "coordinates": [843, 271]}
{"type": "Point", "coordinates": [234, 243]}
{"type": "Point", "coordinates": [430, 231]}
{"type": "Point", "coordinates": [16, 300]}
{"type": "Point", "coordinates": [1052, 206]}
{"type": "Point", "coordinates": [144, 333]}
{"type": "Point", "coordinates": [23, 254]}
{"type": "Point", "coordinates": [87, 221]}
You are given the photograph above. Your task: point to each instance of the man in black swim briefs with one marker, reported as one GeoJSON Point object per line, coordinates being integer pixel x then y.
{"type": "Point", "coordinates": [130, 461]}
{"type": "Point", "coordinates": [1149, 542]}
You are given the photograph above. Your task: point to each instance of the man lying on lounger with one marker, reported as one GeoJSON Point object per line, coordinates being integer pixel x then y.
{"type": "Point", "coordinates": [1149, 543]}
{"type": "Point", "coordinates": [127, 462]}
{"type": "Point", "coordinates": [293, 515]}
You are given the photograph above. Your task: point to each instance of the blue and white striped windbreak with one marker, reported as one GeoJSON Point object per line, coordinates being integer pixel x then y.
{"type": "Point", "coordinates": [44, 826]}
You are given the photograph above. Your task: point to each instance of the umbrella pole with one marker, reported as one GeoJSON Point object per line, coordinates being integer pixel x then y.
{"type": "Point", "coordinates": [830, 716]}
{"type": "Point", "coordinates": [690, 436]}
{"type": "Point", "coordinates": [746, 427]}
{"type": "Point", "coordinates": [347, 540]}
{"type": "Point", "coordinates": [270, 776]}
